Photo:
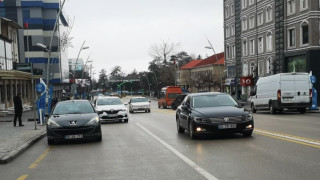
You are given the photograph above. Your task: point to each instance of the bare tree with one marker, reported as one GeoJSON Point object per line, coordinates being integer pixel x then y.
{"type": "Point", "coordinates": [205, 79]}
{"type": "Point", "coordinates": [163, 51]}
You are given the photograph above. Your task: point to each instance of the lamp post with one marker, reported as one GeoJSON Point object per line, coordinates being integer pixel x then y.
{"type": "Point", "coordinates": [74, 70]}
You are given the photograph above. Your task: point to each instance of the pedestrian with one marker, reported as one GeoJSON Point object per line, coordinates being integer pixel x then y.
{"type": "Point", "coordinates": [17, 109]}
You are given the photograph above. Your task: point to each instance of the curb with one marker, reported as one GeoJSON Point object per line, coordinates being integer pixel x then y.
{"type": "Point", "coordinates": [15, 153]}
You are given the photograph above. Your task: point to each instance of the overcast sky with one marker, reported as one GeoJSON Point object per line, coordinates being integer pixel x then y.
{"type": "Point", "coordinates": [121, 32]}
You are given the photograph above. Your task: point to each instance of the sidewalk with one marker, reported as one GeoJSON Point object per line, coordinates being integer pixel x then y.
{"type": "Point", "coordinates": [15, 140]}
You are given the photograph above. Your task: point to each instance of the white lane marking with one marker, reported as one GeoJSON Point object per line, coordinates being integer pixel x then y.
{"type": "Point", "coordinates": [203, 172]}
{"type": "Point", "coordinates": [288, 137]}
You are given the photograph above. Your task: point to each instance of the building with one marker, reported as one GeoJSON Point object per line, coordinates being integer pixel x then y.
{"type": "Point", "coordinates": [203, 75]}
{"type": "Point", "coordinates": [12, 82]}
{"type": "Point", "coordinates": [38, 19]}
{"type": "Point", "coordinates": [265, 37]}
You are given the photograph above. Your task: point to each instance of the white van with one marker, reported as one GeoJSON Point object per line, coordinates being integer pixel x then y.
{"type": "Point", "coordinates": [284, 90]}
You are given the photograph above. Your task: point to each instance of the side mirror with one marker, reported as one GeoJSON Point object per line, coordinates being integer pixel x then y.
{"type": "Point", "coordinates": [184, 107]}
{"type": "Point", "coordinates": [253, 93]}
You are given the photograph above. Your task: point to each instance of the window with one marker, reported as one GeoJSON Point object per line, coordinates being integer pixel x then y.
{"type": "Point", "coordinates": [304, 33]}
{"type": "Point", "coordinates": [244, 4]}
{"type": "Point", "coordinates": [232, 9]}
{"type": "Point", "coordinates": [269, 13]}
{"type": "Point", "coordinates": [260, 45]}
{"type": "Point", "coordinates": [261, 68]}
{"type": "Point", "coordinates": [260, 18]}
{"type": "Point", "coordinates": [244, 47]}
{"type": "Point", "coordinates": [227, 12]}
{"type": "Point", "coordinates": [269, 42]}
{"type": "Point", "coordinates": [251, 45]}
{"type": "Point", "coordinates": [291, 37]}
{"type": "Point", "coordinates": [244, 24]}
{"type": "Point", "coordinates": [2, 55]}
{"type": "Point", "coordinates": [233, 30]}
{"type": "Point", "coordinates": [227, 31]}
{"type": "Point", "coordinates": [245, 69]}
{"type": "Point", "coordinates": [228, 52]}
{"type": "Point", "coordinates": [291, 7]}
{"type": "Point", "coordinates": [233, 51]}
{"type": "Point", "coordinates": [2, 12]}
{"type": "Point", "coordinates": [251, 22]}
{"type": "Point", "coordinates": [252, 68]}
{"type": "Point", "coordinates": [231, 71]}
{"type": "Point", "coordinates": [26, 12]}
{"type": "Point", "coordinates": [303, 5]}
{"type": "Point", "coordinates": [269, 65]}
{"type": "Point", "coordinates": [251, 2]}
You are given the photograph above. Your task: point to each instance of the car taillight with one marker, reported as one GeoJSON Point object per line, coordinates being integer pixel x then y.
{"type": "Point", "coordinates": [279, 95]}
{"type": "Point", "coordinates": [310, 93]}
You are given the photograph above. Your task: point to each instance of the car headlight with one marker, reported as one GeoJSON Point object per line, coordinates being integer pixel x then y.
{"type": "Point", "coordinates": [249, 117]}
{"type": "Point", "coordinates": [93, 121]}
{"type": "Point", "coordinates": [201, 119]}
{"type": "Point", "coordinates": [52, 123]}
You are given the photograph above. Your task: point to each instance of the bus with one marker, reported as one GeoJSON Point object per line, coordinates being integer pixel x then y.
{"type": "Point", "coordinates": [167, 95]}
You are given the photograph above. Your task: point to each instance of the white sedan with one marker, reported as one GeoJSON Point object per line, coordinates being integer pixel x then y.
{"type": "Point", "coordinates": [139, 104]}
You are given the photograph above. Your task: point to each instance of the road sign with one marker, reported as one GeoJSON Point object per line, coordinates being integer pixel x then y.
{"type": "Point", "coordinates": [40, 88]}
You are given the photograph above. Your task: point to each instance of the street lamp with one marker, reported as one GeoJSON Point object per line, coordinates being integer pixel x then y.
{"type": "Point", "coordinates": [74, 70]}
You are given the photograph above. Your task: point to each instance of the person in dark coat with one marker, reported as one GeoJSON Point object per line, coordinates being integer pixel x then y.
{"type": "Point", "coordinates": [17, 109]}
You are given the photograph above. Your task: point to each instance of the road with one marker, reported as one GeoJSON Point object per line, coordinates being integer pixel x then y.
{"type": "Point", "coordinates": [283, 146]}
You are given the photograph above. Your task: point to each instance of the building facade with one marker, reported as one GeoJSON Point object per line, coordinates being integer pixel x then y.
{"type": "Point", "coordinates": [265, 37]}
{"type": "Point", "coordinates": [38, 18]}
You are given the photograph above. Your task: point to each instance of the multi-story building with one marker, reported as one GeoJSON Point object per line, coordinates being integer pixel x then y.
{"type": "Point", "coordinates": [265, 37]}
{"type": "Point", "coordinates": [38, 19]}
{"type": "Point", "coordinates": [203, 75]}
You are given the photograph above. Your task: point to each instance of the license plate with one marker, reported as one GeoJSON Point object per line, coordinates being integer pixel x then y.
{"type": "Point", "coordinates": [227, 126]}
{"type": "Point", "coordinates": [112, 115]}
{"type": "Point", "coordinates": [76, 136]}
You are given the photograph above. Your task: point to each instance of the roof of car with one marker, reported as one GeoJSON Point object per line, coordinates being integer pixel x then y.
{"type": "Point", "coordinates": [137, 97]}
{"type": "Point", "coordinates": [74, 100]}
{"type": "Point", "coordinates": [108, 97]}
{"type": "Point", "coordinates": [205, 93]}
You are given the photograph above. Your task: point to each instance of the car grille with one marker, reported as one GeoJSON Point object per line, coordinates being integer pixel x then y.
{"type": "Point", "coordinates": [107, 117]}
{"type": "Point", "coordinates": [72, 131]}
{"type": "Point", "coordinates": [112, 112]}
{"type": "Point", "coordinates": [230, 119]}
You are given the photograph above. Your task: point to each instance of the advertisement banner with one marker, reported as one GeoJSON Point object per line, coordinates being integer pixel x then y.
{"type": "Point", "coordinates": [246, 81]}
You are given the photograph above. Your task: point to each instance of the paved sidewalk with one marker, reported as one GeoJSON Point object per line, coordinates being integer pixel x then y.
{"type": "Point", "coordinates": [15, 140]}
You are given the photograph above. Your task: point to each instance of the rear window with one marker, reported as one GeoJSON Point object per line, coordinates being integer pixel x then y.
{"type": "Point", "coordinates": [109, 101]}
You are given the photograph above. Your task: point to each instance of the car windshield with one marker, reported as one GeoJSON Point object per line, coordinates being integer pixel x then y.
{"type": "Point", "coordinates": [173, 95]}
{"type": "Point", "coordinates": [135, 100]}
{"type": "Point", "coordinates": [109, 101]}
{"type": "Point", "coordinates": [73, 107]}
{"type": "Point", "coordinates": [212, 101]}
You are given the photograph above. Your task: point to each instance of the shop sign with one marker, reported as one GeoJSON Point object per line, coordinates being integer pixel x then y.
{"type": "Point", "coordinates": [246, 81]}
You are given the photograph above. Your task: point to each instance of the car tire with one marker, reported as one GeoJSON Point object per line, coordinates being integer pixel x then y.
{"type": "Point", "coordinates": [159, 106]}
{"type": "Point", "coordinates": [149, 111]}
{"type": "Point", "coordinates": [191, 132]}
{"type": "Point", "coordinates": [179, 128]}
{"type": "Point", "coordinates": [247, 134]}
{"type": "Point", "coordinates": [164, 107]}
{"type": "Point", "coordinates": [173, 107]}
{"type": "Point", "coordinates": [272, 109]}
{"type": "Point", "coordinates": [50, 141]}
{"type": "Point", "coordinates": [302, 110]}
{"type": "Point", "coordinates": [99, 139]}
{"type": "Point", "coordinates": [254, 110]}
{"type": "Point", "coordinates": [126, 120]}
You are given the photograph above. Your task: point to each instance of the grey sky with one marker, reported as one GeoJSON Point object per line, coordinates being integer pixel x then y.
{"type": "Point", "coordinates": [121, 32]}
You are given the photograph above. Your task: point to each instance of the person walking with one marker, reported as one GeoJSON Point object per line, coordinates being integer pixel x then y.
{"type": "Point", "coordinates": [17, 109]}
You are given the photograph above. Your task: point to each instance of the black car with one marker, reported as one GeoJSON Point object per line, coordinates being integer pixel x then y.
{"type": "Point", "coordinates": [72, 120]}
{"type": "Point", "coordinates": [178, 101]}
{"type": "Point", "coordinates": [203, 113]}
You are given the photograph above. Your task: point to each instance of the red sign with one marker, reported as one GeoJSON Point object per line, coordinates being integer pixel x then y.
{"type": "Point", "coordinates": [246, 81]}
{"type": "Point", "coordinates": [25, 24]}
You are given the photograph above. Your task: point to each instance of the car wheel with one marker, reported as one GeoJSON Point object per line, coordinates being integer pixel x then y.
{"type": "Point", "coordinates": [126, 120]}
{"type": "Point", "coordinates": [173, 107]}
{"type": "Point", "coordinates": [254, 110]}
{"type": "Point", "coordinates": [159, 106]}
{"type": "Point", "coordinates": [247, 133]}
{"type": "Point", "coordinates": [146, 111]}
{"type": "Point", "coordinates": [302, 110]}
{"type": "Point", "coordinates": [164, 107]}
{"type": "Point", "coordinates": [179, 128]}
{"type": "Point", "coordinates": [99, 139]}
{"type": "Point", "coordinates": [50, 141]}
{"type": "Point", "coordinates": [149, 111]}
{"type": "Point", "coordinates": [272, 109]}
{"type": "Point", "coordinates": [191, 132]}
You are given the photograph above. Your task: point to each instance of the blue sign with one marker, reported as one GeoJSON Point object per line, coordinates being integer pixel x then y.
{"type": "Point", "coordinates": [313, 79]}
{"type": "Point", "coordinates": [40, 88]}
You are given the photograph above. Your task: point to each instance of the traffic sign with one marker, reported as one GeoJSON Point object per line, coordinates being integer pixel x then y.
{"type": "Point", "coordinates": [40, 88]}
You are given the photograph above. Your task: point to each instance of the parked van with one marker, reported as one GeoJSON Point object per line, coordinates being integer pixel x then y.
{"type": "Point", "coordinates": [167, 95]}
{"type": "Point", "coordinates": [284, 90]}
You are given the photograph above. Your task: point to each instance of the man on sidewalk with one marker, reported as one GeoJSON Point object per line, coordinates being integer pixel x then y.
{"type": "Point", "coordinates": [17, 109]}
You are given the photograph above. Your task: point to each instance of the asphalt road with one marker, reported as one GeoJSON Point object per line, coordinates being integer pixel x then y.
{"type": "Point", "coordinates": [284, 146]}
